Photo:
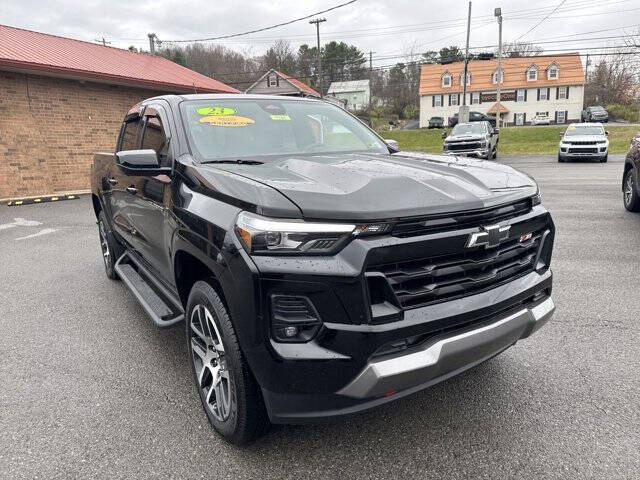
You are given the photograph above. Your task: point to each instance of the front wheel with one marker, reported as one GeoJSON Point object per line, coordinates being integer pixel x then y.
{"type": "Point", "coordinates": [604, 159]}
{"type": "Point", "coordinates": [630, 192]}
{"type": "Point", "coordinates": [228, 391]}
{"type": "Point", "coordinates": [561, 159]}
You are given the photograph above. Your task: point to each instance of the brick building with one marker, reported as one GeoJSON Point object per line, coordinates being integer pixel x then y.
{"type": "Point", "coordinates": [551, 84]}
{"type": "Point", "coordinates": [61, 100]}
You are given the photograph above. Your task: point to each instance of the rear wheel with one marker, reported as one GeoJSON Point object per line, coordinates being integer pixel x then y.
{"type": "Point", "coordinates": [630, 192]}
{"type": "Point", "coordinates": [111, 249]}
{"type": "Point", "coordinates": [230, 395]}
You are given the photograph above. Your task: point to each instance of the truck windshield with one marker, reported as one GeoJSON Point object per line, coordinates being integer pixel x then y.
{"type": "Point", "coordinates": [246, 128]}
{"type": "Point", "coordinates": [584, 130]}
{"type": "Point", "coordinates": [468, 129]}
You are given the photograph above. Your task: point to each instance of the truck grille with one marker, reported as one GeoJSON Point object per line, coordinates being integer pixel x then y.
{"type": "Point", "coordinates": [423, 281]}
{"type": "Point", "coordinates": [463, 146]}
{"type": "Point", "coordinates": [582, 143]}
{"type": "Point", "coordinates": [439, 223]}
{"type": "Point", "coordinates": [583, 150]}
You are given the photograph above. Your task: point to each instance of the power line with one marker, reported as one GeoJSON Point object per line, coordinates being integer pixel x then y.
{"type": "Point", "coordinates": [264, 28]}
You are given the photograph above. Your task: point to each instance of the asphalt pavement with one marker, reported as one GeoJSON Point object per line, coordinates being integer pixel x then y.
{"type": "Point", "coordinates": [89, 388]}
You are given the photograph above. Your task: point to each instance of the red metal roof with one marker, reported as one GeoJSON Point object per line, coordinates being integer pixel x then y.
{"type": "Point", "coordinates": [25, 50]}
{"type": "Point", "coordinates": [298, 84]}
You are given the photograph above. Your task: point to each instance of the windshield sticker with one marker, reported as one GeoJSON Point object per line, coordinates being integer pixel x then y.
{"type": "Point", "coordinates": [216, 111]}
{"type": "Point", "coordinates": [571, 127]}
{"type": "Point", "coordinates": [280, 117]}
{"type": "Point", "coordinates": [227, 120]}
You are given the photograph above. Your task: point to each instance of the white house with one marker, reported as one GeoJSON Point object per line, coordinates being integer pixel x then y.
{"type": "Point", "coordinates": [552, 84]}
{"type": "Point", "coordinates": [355, 95]}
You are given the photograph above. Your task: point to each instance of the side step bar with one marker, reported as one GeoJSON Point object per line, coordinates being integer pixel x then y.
{"type": "Point", "coordinates": [160, 304]}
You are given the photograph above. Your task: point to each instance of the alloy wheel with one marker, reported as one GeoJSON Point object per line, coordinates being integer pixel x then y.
{"type": "Point", "coordinates": [212, 373]}
{"type": "Point", "coordinates": [628, 188]}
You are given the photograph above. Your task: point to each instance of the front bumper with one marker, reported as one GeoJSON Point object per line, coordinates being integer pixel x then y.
{"type": "Point", "coordinates": [477, 152]}
{"type": "Point", "coordinates": [583, 152]}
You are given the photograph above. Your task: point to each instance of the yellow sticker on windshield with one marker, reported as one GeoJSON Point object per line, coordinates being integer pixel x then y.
{"type": "Point", "coordinates": [227, 120]}
{"type": "Point", "coordinates": [281, 117]}
{"type": "Point", "coordinates": [216, 111]}
{"type": "Point", "coordinates": [571, 127]}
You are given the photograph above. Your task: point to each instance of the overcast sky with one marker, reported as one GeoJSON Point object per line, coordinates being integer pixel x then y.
{"type": "Point", "coordinates": [387, 27]}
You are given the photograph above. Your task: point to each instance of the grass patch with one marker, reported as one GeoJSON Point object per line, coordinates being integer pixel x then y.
{"type": "Point", "coordinates": [513, 140]}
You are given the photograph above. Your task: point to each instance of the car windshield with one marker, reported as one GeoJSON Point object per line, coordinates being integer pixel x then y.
{"type": "Point", "coordinates": [572, 131]}
{"type": "Point", "coordinates": [596, 109]}
{"type": "Point", "coordinates": [232, 128]}
{"type": "Point", "coordinates": [469, 129]}
{"type": "Point", "coordinates": [436, 118]}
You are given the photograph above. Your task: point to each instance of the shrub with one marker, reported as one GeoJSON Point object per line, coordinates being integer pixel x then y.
{"type": "Point", "coordinates": [623, 112]}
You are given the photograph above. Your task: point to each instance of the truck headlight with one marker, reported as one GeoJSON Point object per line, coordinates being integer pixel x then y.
{"type": "Point", "coordinates": [268, 236]}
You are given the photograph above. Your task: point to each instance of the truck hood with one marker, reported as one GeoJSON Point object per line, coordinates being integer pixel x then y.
{"type": "Point", "coordinates": [584, 138]}
{"type": "Point", "coordinates": [465, 138]}
{"type": "Point", "coordinates": [362, 186]}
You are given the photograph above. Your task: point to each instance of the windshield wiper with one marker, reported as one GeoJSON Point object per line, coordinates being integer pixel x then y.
{"type": "Point", "coordinates": [238, 161]}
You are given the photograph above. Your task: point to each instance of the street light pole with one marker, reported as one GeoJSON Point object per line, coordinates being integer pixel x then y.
{"type": "Point", "coordinates": [463, 113]}
{"type": "Point", "coordinates": [317, 22]}
{"type": "Point", "coordinates": [498, 13]}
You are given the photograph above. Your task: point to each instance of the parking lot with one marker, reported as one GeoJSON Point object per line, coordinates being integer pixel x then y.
{"type": "Point", "coordinates": [90, 388]}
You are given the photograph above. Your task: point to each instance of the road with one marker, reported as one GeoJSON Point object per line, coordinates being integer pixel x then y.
{"type": "Point", "coordinates": [91, 389]}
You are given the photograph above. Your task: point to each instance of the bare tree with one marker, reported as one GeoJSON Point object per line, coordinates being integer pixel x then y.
{"type": "Point", "coordinates": [281, 57]}
{"type": "Point", "coordinates": [520, 49]}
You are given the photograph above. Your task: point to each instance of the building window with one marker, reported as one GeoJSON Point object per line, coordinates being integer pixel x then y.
{"type": "Point", "coordinates": [495, 76]}
{"type": "Point", "coordinates": [520, 96]}
{"type": "Point", "coordinates": [462, 82]}
{"type": "Point", "coordinates": [475, 98]}
{"type": "Point", "coordinates": [542, 94]}
{"type": "Point", "coordinates": [532, 74]}
{"type": "Point", "coordinates": [560, 117]}
{"type": "Point", "coordinates": [562, 93]}
{"type": "Point", "coordinates": [542, 113]}
{"type": "Point", "coordinates": [453, 99]}
{"type": "Point", "coordinates": [446, 80]}
{"type": "Point", "coordinates": [552, 73]}
{"type": "Point", "coordinates": [437, 100]}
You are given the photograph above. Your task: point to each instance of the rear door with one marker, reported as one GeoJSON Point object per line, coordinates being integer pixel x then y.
{"type": "Point", "coordinates": [150, 206]}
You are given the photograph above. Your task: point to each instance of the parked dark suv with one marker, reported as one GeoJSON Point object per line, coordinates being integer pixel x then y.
{"type": "Point", "coordinates": [473, 117]}
{"type": "Point", "coordinates": [318, 271]}
{"type": "Point", "coordinates": [594, 114]}
{"type": "Point", "coordinates": [630, 178]}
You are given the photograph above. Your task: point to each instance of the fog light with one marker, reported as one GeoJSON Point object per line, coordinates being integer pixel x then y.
{"type": "Point", "coordinates": [290, 331]}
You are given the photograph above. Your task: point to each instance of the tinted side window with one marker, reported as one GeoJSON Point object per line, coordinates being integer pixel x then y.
{"type": "Point", "coordinates": [129, 139]}
{"type": "Point", "coordinates": [154, 137]}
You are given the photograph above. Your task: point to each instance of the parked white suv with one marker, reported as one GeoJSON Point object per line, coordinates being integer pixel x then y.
{"type": "Point", "coordinates": [584, 140]}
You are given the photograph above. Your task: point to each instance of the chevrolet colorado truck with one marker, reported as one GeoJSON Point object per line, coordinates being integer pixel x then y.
{"type": "Point", "coordinates": [317, 270]}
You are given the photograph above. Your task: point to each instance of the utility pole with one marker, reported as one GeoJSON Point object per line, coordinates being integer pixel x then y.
{"type": "Point", "coordinates": [370, 74]}
{"type": "Point", "coordinates": [463, 114]}
{"type": "Point", "coordinates": [586, 78]}
{"type": "Point", "coordinates": [317, 22]}
{"type": "Point", "coordinates": [102, 40]}
{"type": "Point", "coordinates": [152, 43]}
{"type": "Point", "coordinates": [498, 13]}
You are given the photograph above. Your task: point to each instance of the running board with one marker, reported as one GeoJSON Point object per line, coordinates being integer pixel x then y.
{"type": "Point", "coordinates": [160, 304]}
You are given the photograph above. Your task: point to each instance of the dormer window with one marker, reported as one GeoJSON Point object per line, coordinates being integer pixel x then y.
{"type": "Point", "coordinates": [532, 74]}
{"type": "Point", "coordinates": [495, 76]}
{"type": "Point", "coordinates": [272, 80]}
{"type": "Point", "coordinates": [552, 72]}
{"type": "Point", "coordinates": [446, 80]}
{"type": "Point", "coordinates": [468, 82]}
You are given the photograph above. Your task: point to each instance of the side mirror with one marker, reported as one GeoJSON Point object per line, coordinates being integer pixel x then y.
{"type": "Point", "coordinates": [444, 134]}
{"type": "Point", "coordinates": [606, 132]}
{"type": "Point", "coordinates": [139, 162]}
{"type": "Point", "coordinates": [561, 134]}
{"type": "Point", "coordinates": [392, 144]}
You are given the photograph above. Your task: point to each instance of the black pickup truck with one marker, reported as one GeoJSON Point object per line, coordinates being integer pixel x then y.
{"type": "Point", "coordinates": [318, 271]}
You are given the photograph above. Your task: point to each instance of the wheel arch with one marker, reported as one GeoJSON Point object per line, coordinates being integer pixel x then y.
{"type": "Point", "coordinates": [188, 269]}
{"type": "Point", "coordinates": [627, 166]}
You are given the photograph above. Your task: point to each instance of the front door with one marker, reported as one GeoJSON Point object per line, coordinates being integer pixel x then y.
{"type": "Point", "coordinates": [149, 208]}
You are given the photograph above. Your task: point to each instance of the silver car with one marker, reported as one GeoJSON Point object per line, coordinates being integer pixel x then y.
{"type": "Point", "coordinates": [478, 139]}
{"type": "Point", "coordinates": [584, 140]}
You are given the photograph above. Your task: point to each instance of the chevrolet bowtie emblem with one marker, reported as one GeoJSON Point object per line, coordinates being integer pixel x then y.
{"type": "Point", "coordinates": [491, 236]}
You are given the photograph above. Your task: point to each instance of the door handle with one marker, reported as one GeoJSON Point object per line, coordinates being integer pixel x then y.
{"type": "Point", "coordinates": [132, 190]}
{"type": "Point", "coordinates": [112, 181]}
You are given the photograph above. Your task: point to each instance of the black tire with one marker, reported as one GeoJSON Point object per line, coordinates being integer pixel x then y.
{"type": "Point", "coordinates": [495, 152]}
{"type": "Point", "coordinates": [110, 247]}
{"type": "Point", "coordinates": [604, 159]}
{"type": "Point", "coordinates": [561, 160]}
{"type": "Point", "coordinates": [630, 197]}
{"type": "Point", "coordinates": [246, 417]}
